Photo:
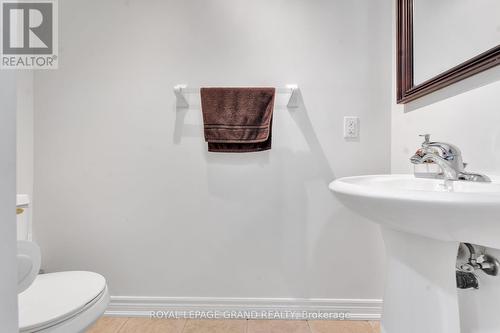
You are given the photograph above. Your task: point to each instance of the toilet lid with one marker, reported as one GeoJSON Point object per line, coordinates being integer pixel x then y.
{"type": "Point", "coordinates": [54, 297]}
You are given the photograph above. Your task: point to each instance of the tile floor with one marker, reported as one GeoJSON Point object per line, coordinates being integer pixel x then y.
{"type": "Point", "coordinates": [146, 325]}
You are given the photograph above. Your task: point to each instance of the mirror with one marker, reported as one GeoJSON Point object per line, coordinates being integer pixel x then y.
{"type": "Point", "coordinates": [444, 41]}
{"type": "Point", "coordinates": [447, 33]}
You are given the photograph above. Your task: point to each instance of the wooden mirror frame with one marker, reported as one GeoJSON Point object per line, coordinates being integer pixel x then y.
{"type": "Point", "coordinates": [406, 89]}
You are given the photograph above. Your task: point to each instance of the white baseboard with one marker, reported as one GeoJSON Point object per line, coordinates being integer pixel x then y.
{"type": "Point", "coordinates": [245, 308]}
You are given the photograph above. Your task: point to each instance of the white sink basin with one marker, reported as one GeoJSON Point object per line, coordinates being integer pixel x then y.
{"type": "Point", "coordinates": [422, 223]}
{"type": "Point", "coordinates": [462, 211]}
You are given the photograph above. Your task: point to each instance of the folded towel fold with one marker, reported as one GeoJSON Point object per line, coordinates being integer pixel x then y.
{"type": "Point", "coordinates": [237, 119]}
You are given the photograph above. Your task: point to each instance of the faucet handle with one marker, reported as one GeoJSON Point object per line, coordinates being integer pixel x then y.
{"type": "Point", "coordinates": [427, 137]}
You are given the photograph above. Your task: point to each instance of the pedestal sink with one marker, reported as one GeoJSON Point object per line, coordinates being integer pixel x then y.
{"type": "Point", "coordinates": [423, 222]}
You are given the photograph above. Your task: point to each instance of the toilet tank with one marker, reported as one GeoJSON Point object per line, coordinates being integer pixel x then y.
{"type": "Point", "coordinates": [23, 217]}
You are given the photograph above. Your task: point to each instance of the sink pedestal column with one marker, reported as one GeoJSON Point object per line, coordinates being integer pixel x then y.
{"type": "Point", "coordinates": [420, 291]}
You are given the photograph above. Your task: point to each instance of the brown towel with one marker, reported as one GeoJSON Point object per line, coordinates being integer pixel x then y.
{"type": "Point", "coordinates": [237, 119]}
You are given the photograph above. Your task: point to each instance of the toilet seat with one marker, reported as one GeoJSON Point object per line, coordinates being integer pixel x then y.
{"type": "Point", "coordinates": [62, 302]}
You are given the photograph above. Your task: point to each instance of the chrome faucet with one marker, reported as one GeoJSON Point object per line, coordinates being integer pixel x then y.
{"type": "Point", "coordinates": [448, 157]}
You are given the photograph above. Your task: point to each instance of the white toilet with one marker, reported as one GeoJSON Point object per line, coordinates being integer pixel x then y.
{"type": "Point", "coordinates": [63, 302]}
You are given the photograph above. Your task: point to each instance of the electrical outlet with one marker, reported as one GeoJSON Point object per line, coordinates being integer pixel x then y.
{"type": "Point", "coordinates": [351, 127]}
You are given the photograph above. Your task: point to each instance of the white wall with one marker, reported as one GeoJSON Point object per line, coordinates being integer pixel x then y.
{"type": "Point", "coordinates": [25, 132]}
{"type": "Point", "coordinates": [8, 271]}
{"type": "Point", "coordinates": [124, 185]}
{"type": "Point", "coordinates": [466, 114]}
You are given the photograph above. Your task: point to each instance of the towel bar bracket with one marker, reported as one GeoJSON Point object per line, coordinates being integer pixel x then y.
{"type": "Point", "coordinates": [181, 101]}
{"type": "Point", "coordinates": [293, 102]}
{"type": "Point", "coordinates": [181, 90]}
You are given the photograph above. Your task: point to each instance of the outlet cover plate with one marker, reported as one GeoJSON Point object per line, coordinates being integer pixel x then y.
{"type": "Point", "coordinates": [351, 127]}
